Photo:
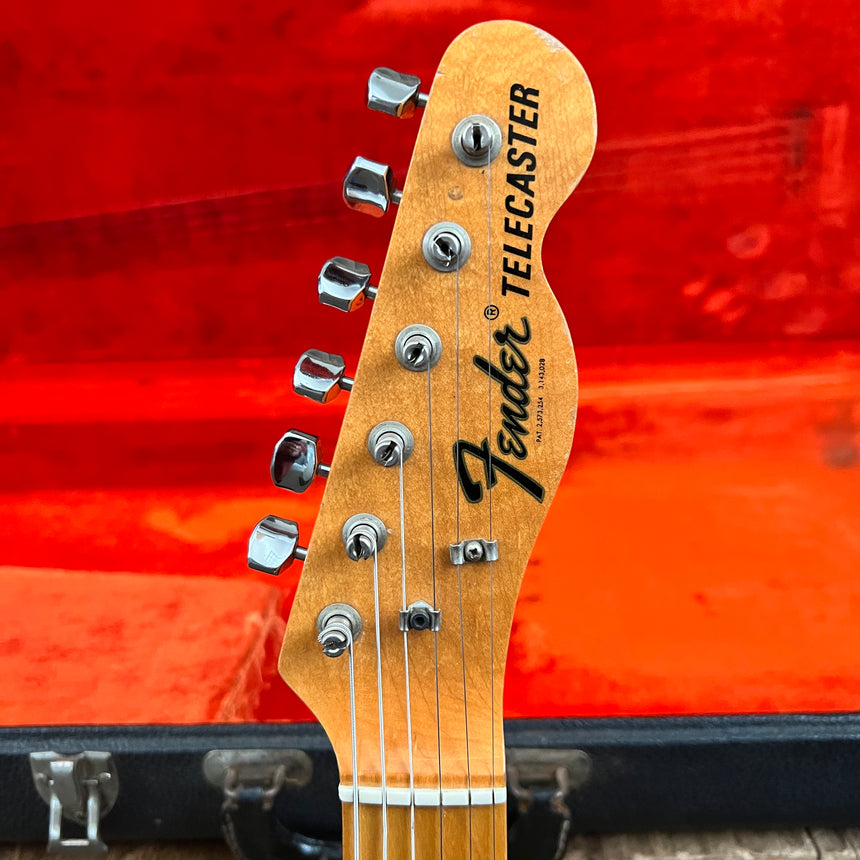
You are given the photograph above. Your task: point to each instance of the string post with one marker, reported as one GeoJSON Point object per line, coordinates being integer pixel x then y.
{"type": "Point", "coordinates": [339, 625]}
{"type": "Point", "coordinates": [390, 443]}
{"type": "Point", "coordinates": [363, 536]}
{"type": "Point", "coordinates": [476, 140]}
{"type": "Point", "coordinates": [446, 246]}
{"type": "Point", "coordinates": [418, 348]}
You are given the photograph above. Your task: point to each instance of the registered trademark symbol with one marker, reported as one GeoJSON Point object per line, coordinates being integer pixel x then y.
{"type": "Point", "coordinates": [491, 312]}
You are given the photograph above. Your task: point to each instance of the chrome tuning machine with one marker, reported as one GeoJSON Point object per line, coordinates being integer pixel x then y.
{"type": "Point", "coordinates": [369, 187]}
{"type": "Point", "coordinates": [394, 93]}
{"type": "Point", "coordinates": [295, 462]}
{"type": "Point", "coordinates": [274, 545]}
{"type": "Point", "coordinates": [345, 284]}
{"type": "Point", "coordinates": [320, 376]}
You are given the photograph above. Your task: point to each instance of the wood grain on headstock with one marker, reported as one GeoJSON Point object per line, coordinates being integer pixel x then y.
{"type": "Point", "coordinates": [541, 99]}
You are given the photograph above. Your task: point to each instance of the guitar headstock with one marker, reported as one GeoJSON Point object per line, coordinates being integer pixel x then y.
{"type": "Point", "coordinates": [467, 362]}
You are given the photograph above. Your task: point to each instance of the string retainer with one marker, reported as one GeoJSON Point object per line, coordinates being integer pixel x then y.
{"type": "Point", "coordinates": [474, 550]}
{"type": "Point", "coordinates": [420, 616]}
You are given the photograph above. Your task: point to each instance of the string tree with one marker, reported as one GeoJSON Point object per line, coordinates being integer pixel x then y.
{"type": "Point", "coordinates": [295, 461]}
{"type": "Point", "coordinates": [473, 550]}
{"type": "Point", "coordinates": [320, 376]}
{"type": "Point", "coordinates": [274, 545]}
{"type": "Point", "coordinates": [369, 187]}
{"type": "Point", "coordinates": [345, 284]}
{"type": "Point", "coordinates": [420, 616]}
{"type": "Point", "coordinates": [394, 93]}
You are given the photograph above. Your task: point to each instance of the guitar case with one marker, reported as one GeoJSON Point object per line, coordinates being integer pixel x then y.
{"type": "Point", "coordinates": [565, 776]}
{"type": "Point", "coordinates": [684, 654]}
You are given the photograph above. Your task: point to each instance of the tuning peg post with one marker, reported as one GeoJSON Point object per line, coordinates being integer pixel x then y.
{"type": "Point", "coordinates": [274, 545]}
{"type": "Point", "coordinates": [320, 376]}
{"type": "Point", "coordinates": [345, 284]}
{"type": "Point", "coordinates": [295, 462]}
{"type": "Point", "coordinates": [369, 187]}
{"type": "Point", "coordinates": [394, 93]}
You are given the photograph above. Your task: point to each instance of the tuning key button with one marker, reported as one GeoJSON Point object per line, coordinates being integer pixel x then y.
{"type": "Point", "coordinates": [295, 462]}
{"type": "Point", "coordinates": [394, 93]}
{"type": "Point", "coordinates": [274, 545]}
{"type": "Point", "coordinates": [369, 187]}
{"type": "Point", "coordinates": [320, 376]}
{"type": "Point", "coordinates": [345, 284]}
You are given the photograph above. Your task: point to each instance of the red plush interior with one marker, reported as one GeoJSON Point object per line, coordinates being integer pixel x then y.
{"type": "Point", "coordinates": [170, 187]}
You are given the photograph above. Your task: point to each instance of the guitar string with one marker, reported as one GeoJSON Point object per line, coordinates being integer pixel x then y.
{"type": "Point", "coordinates": [490, 488]}
{"type": "Point", "coordinates": [354, 730]}
{"type": "Point", "coordinates": [406, 662]}
{"type": "Point", "coordinates": [435, 604]}
{"type": "Point", "coordinates": [379, 698]}
{"type": "Point", "coordinates": [459, 566]}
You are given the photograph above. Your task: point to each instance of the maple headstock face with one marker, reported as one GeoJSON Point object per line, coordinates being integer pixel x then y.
{"type": "Point", "coordinates": [492, 424]}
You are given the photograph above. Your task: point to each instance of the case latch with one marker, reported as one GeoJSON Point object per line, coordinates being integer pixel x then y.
{"type": "Point", "coordinates": [269, 770]}
{"type": "Point", "coordinates": [555, 770]}
{"type": "Point", "coordinates": [81, 788]}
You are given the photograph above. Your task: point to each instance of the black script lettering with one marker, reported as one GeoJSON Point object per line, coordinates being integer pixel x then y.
{"type": "Point", "coordinates": [522, 138]}
{"type": "Point", "coordinates": [513, 249]}
{"type": "Point", "coordinates": [515, 228]}
{"type": "Point", "coordinates": [522, 95]}
{"type": "Point", "coordinates": [507, 286]}
{"type": "Point", "coordinates": [520, 117]}
{"type": "Point", "coordinates": [513, 268]}
{"type": "Point", "coordinates": [523, 111]}
{"type": "Point", "coordinates": [516, 159]}
{"type": "Point", "coordinates": [507, 334]}
{"type": "Point", "coordinates": [524, 213]}
{"type": "Point", "coordinates": [523, 182]}
{"type": "Point", "coordinates": [493, 466]}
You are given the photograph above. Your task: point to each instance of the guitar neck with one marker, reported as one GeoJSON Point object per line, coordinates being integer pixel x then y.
{"type": "Point", "coordinates": [428, 833]}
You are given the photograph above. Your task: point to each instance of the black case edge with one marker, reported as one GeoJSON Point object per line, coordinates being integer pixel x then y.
{"type": "Point", "coordinates": [655, 773]}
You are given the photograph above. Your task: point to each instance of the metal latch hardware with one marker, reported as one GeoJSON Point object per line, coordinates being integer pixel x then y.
{"type": "Point", "coordinates": [81, 788]}
{"type": "Point", "coordinates": [269, 770]}
{"type": "Point", "coordinates": [561, 770]}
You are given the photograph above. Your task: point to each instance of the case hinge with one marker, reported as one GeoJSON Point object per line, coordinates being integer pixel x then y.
{"type": "Point", "coordinates": [81, 788]}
